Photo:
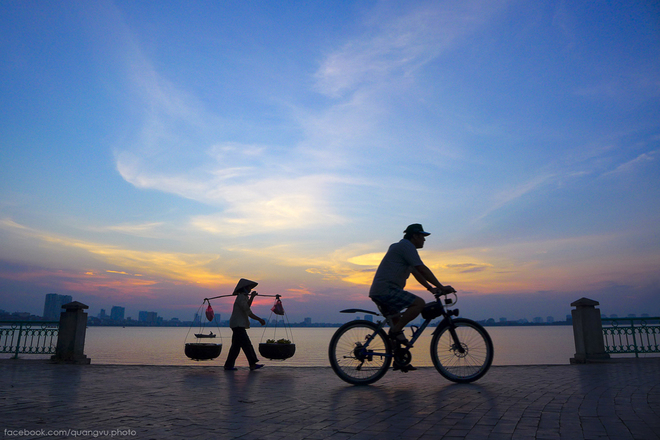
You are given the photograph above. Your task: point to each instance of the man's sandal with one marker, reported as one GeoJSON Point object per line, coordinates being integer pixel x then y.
{"type": "Point", "coordinates": [398, 337]}
{"type": "Point", "coordinates": [403, 369]}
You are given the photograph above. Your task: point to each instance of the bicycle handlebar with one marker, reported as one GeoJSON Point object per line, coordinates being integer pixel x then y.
{"type": "Point", "coordinates": [447, 301]}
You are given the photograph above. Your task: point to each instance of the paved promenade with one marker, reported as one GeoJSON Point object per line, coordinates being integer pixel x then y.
{"type": "Point", "coordinates": [618, 400]}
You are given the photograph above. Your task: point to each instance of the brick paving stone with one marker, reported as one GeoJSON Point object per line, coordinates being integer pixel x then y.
{"type": "Point", "coordinates": [616, 400]}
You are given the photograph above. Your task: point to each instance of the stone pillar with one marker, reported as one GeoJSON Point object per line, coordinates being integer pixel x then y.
{"type": "Point", "coordinates": [71, 338]}
{"type": "Point", "coordinates": [588, 332]}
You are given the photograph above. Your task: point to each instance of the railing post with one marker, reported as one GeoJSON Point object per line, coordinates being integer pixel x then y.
{"type": "Point", "coordinates": [633, 330]}
{"type": "Point", "coordinates": [18, 342]}
{"type": "Point", "coordinates": [587, 332]}
{"type": "Point", "coordinates": [71, 337]}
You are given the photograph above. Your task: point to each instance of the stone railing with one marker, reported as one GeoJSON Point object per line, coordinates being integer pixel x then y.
{"type": "Point", "coordinates": [631, 335]}
{"type": "Point", "coordinates": [587, 332]}
{"type": "Point", "coordinates": [63, 339]}
{"type": "Point", "coordinates": [28, 337]}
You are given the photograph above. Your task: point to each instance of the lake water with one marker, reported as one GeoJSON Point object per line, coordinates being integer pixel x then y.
{"type": "Point", "coordinates": [542, 345]}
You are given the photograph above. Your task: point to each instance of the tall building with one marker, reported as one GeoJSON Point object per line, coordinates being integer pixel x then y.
{"type": "Point", "coordinates": [117, 313]}
{"type": "Point", "coordinates": [148, 317]}
{"type": "Point", "coordinates": [53, 306]}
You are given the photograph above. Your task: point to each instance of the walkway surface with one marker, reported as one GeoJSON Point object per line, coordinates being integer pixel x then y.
{"type": "Point", "coordinates": [615, 400]}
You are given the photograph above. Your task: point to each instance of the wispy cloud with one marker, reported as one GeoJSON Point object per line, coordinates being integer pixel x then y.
{"type": "Point", "coordinates": [295, 187]}
{"type": "Point", "coordinates": [468, 267]}
{"type": "Point", "coordinates": [269, 205]}
{"type": "Point", "coordinates": [635, 164]}
{"type": "Point", "coordinates": [509, 195]}
{"type": "Point", "coordinates": [396, 43]}
{"type": "Point", "coordinates": [183, 267]}
{"type": "Point", "coordinates": [138, 229]}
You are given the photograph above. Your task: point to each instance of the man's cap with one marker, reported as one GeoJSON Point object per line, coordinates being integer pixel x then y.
{"type": "Point", "coordinates": [416, 228]}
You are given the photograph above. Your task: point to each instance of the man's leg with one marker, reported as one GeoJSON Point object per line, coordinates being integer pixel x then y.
{"type": "Point", "coordinates": [233, 350]}
{"type": "Point", "coordinates": [246, 345]}
{"type": "Point", "coordinates": [248, 349]}
{"type": "Point", "coordinates": [411, 313]}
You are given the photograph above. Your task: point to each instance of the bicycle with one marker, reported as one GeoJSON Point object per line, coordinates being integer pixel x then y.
{"type": "Point", "coordinates": [361, 352]}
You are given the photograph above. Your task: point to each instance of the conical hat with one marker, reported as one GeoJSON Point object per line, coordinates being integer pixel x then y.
{"type": "Point", "coordinates": [243, 283]}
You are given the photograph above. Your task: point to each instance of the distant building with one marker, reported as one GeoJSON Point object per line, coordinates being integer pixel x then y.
{"type": "Point", "coordinates": [550, 319]}
{"type": "Point", "coordinates": [102, 315]}
{"type": "Point", "coordinates": [117, 313]}
{"type": "Point", "coordinates": [53, 306]}
{"type": "Point", "coordinates": [538, 320]}
{"type": "Point", "coordinates": [308, 321]}
{"type": "Point", "coordinates": [503, 320]}
{"type": "Point", "coordinates": [369, 318]}
{"type": "Point", "coordinates": [148, 317]}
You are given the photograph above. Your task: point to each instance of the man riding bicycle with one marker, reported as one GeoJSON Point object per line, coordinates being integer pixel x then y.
{"type": "Point", "coordinates": [387, 292]}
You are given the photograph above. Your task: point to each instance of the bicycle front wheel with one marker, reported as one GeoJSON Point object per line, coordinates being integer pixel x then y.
{"type": "Point", "coordinates": [360, 353]}
{"type": "Point", "coordinates": [466, 361]}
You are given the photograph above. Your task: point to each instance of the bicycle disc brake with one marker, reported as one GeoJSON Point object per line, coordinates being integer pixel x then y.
{"type": "Point", "coordinates": [460, 351]}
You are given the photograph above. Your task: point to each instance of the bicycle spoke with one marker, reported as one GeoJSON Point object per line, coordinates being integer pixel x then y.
{"type": "Point", "coordinates": [354, 357]}
{"type": "Point", "coordinates": [464, 365]}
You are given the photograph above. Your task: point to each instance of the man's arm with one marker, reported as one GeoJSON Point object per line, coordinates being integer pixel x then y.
{"type": "Point", "coordinates": [256, 318]}
{"type": "Point", "coordinates": [252, 315]}
{"type": "Point", "coordinates": [424, 276]}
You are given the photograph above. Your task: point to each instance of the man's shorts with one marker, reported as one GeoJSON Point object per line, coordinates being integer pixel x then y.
{"type": "Point", "coordinates": [394, 301]}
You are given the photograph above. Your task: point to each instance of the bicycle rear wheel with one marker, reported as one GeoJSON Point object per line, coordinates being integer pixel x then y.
{"type": "Point", "coordinates": [468, 364]}
{"type": "Point", "coordinates": [352, 361]}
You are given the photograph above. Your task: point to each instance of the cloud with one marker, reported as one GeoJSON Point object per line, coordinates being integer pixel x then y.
{"type": "Point", "coordinates": [507, 196]}
{"type": "Point", "coordinates": [175, 266]}
{"type": "Point", "coordinates": [263, 188]}
{"type": "Point", "coordinates": [138, 229]}
{"type": "Point", "coordinates": [372, 259]}
{"type": "Point", "coordinates": [634, 164]}
{"type": "Point", "coordinates": [268, 205]}
{"type": "Point", "coordinates": [396, 43]}
{"type": "Point", "coordinates": [468, 267]}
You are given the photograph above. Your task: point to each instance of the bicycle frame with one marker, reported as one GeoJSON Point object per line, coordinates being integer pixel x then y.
{"type": "Point", "coordinates": [446, 321]}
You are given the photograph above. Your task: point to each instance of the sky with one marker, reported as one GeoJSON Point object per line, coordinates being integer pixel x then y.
{"type": "Point", "coordinates": [154, 153]}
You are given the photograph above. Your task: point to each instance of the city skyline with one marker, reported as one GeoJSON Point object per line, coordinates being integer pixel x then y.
{"type": "Point", "coordinates": [54, 302]}
{"type": "Point", "coordinates": [154, 154]}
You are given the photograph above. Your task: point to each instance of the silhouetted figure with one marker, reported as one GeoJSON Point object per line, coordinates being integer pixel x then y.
{"type": "Point", "coordinates": [240, 322]}
{"type": "Point", "coordinates": [399, 262]}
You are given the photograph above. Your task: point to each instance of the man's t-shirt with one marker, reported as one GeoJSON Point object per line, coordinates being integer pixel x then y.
{"type": "Point", "coordinates": [395, 268]}
{"type": "Point", "coordinates": [240, 316]}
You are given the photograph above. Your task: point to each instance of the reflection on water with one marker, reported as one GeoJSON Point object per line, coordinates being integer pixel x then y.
{"type": "Point", "coordinates": [164, 346]}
